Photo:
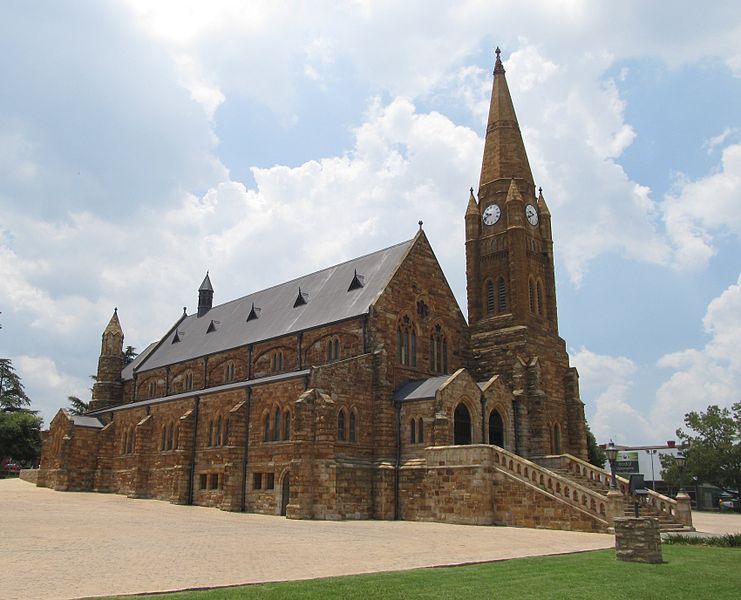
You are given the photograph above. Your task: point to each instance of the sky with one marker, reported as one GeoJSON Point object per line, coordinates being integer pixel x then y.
{"type": "Point", "coordinates": [143, 143]}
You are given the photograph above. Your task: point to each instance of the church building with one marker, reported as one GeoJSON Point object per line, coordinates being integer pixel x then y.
{"type": "Point", "coordinates": [360, 391]}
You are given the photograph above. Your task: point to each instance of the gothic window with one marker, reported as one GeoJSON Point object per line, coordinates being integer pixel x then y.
{"type": "Point", "coordinates": [341, 425]}
{"type": "Point", "coordinates": [176, 438]}
{"type": "Point", "coordinates": [225, 440]}
{"type": "Point", "coordinates": [496, 428]}
{"type": "Point", "coordinates": [353, 422]}
{"type": "Point", "coordinates": [490, 296]}
{"type": "Point", "coordinates": [501, 296]}
{"type": "Point", "coordinates": [217, 439]}
{"type": "Point", "coordinates": [531, 287]}
{"type": "Point", "coordinates": [266, 429]}
{"type": "Point", "coordinates": [130, 446]}
{"type": "Point", "coordinates": [287, 426]}
{"type": "Point", "coordinates": [462, 425]}
{"type": "Point", "coordinates": [164, 434]}
{"type": "Point", "coordinates": [421, 431]}
{"type": "Point", "coordinates": [422, 309]}
{"type": "Point", "coordinates": [229, 372]}
{"type": "Point", "coordinates": [539, 298]}
{"type": "Point", "coordinates": [152, 389]}
{"type": "Point", "coordinates": [333, 349]}
{"type": "Point", "coordinates": [406, 343]}
{"type": "Point", "coordinates": [210, 438]}
{"type": "Point", "coordinates": [438, 351]}
{"type": "Point", "coordinates": [170, 437]}
{"type": "Point", "coordinates": [412, 431]}
{"type": "Point", "coordinates": [276, 425]}
{"type": "Point", "coordinates": [188, 381]}
{"type": "Point", "coordinates": [213, 481]}
{"type": "Point", "coordinates": [556, 439]}
{"type": "Point", "coordinates": [278, 361]}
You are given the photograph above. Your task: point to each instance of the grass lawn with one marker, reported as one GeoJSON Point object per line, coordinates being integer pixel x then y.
{"type": "Point", "coordinates": [688, 572]}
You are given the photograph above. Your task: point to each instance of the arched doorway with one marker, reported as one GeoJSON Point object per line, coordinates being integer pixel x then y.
{"type": "Point", "coordinates": [285, 494]}
{"type": "Point", "coordinates": [462, 425]}
{"type": "Point", "coordinates": [496, 428]}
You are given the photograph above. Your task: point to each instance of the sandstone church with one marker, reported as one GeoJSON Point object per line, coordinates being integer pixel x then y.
{"type": "Point", "coordinates": [360, 391]}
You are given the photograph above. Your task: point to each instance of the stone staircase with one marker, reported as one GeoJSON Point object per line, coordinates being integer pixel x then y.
{"type": "Point", "coordinates": [665, 509]}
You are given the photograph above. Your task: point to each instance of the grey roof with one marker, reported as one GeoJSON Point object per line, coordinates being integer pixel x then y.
{"type": "Point", "coordinates": [128, 370]}
{"type": "Point", "coordinates": [84, 421]}
{"type": "Point", "coordinates": [203, 392]}
{"type": "Point", "coordinates": [420, 389]}
{"type": "Point", "coordinates": [327, 300]}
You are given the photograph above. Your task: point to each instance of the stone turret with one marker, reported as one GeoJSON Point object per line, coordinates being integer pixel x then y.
{"type": "Point", "coordinates": [108, 388]}
{"type": "Point", "coordinates": [205, 296]}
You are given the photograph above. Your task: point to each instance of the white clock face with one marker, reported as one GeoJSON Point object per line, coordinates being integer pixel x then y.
{"type": "Point", "coordinates": [531, 214]}
{"type": "Point", "coordinates": [491, 214]}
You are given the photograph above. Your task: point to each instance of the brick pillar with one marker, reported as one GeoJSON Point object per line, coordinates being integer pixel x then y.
{"type": "Point", "coordinates": [638, 539]}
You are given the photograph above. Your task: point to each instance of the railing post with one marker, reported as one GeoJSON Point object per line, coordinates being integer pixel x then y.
{"type": "Point", "coordinates": [615, 506]}
{"type": "Point", "coordinates": [684, 509]}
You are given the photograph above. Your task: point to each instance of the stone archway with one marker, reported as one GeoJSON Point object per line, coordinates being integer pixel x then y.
{"type": "Point", "coordinates": [461, 425]}
{"type": "Point", "coordinates": [285, 494]}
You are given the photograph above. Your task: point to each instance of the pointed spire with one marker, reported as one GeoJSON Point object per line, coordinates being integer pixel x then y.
{"type": "Point", "coordinates": [504, 150]}
{"type": "Point", "coordinates": [542, 206]}
{"type": "Point", "coordinates": [473, 207]}
{"type": "Point", "coordinates": [206, 285]}
{"type": "Point", "coordinates": [205, 296]}
{"type": "Point", "coordinates": [114, 325]}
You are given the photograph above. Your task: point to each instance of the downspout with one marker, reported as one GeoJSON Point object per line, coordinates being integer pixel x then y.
{"type": "Point", "coordinates": [247, 403]}
{"type": "Point", "coordinates": [397, 508]}
{"type": "Point", "coordinates": [191, 482]}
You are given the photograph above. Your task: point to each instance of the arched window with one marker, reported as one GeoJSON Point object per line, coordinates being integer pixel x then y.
{"type": "Point", "coordinates": [501, 296]}
{"type": "Point", "coordinates": [287, 426]}
{"type": "Point", "coordinates": [413, 431]}
{"type": "Point", "coordinates": [210, 438]}
{"type": "Point", "coordinates": [421, 431]}
{"type": "Point", "coordinates": [462, 425]}
{"type": "Point", "coordinates": [496, 428]}
{"type": "Point", "coordinates": [229, 372]}
{"type": "Point", "coordinates": [188, 381]}
{"type": "Point", "coordinates": [225, 441]}
{"type": "Point", "coordinates": [531, 288]}
{"type": "Point", "coordinates": [556, 439]}
{"type": "Point", "coordinates": [170, 437]}
{"type": "Point", "coordinates": [276, 425]}
{"type": "Point", "coordinates": [539, 298]}
{"type": "Point", "coordinates": [490, 297]}
{"type": "Point", "coordinates": [164, 434]}
{"type": "Point", "coordinates": [152, 389]}
{"type": "Point", "coordinates": [177, 438]}
{"type": "Point", "coordinates": [353, 420]}
{"type": "Point", "coordinates": [130, 443]}
{"type": "Point", "coordinates": [438, 351]}
{"type": "Point", "coordinates": [266, 428]}
{"type": "Point", "coordinates": [406, 343]}
{"type": "Point", "coordinates": [217, 440]}
{"type": "Point", "coordinates": [333, 349]}
{"type": "Point", "coordinates": [341, 425]}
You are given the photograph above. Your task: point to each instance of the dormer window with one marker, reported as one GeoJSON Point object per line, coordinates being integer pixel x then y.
{"type": "Point", "coordinates": [176, 337]}
{"type": "Point", "coordinates": [254, 313]}
{"type": "Point", "coordinates": [301, 299]}
{"type": "Point", "coordinates": [357, 282]}
{"type": "Point", "coordinates": [212, 326]}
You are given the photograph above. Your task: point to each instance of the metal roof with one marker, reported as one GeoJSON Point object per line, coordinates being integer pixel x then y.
{"type": "Point", "coordinates": [420, 389]}
{"type": "Point", "coordinates": [204, 392]}
{"type": "Point", "coordinates": [278, 311]}
{"type": "Point", "coordinates": [83, 421]}
{"type": "Point", "coordinates": [128, 370]}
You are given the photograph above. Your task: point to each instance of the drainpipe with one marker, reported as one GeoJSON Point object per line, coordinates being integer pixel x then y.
{"type": "Point", "coordinates": [191, 482]}
{"type": "Point", "coordinates": [397, 508]}
{"type": "Point", "coordinates": [247, 403]}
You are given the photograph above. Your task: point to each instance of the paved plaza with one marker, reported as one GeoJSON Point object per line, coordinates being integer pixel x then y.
{"type": "Point", "coordinates": [71, 545]}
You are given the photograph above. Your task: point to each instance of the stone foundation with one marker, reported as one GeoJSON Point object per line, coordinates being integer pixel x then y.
{"type": "Point", "coordinates": [638, 539]}
{"type": "Point", "coordinates": [30, 475]}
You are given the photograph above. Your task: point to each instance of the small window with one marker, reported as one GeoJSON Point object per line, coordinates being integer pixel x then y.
{"type": "Point", "coordinates": [217, 439]}
{"type": "Point", "coordinates": [276, 425]}
{"type": "Point", "coordinates": [188, 381]}
{"type": "Point", "coordinates": [341, 425]}
{"type": "Point", "coordinates": [214, 481]}
{"type": "Point", "coordinates": [229, 372]}
{"type": "Point", "coordinates": [170, 437]}
{"type": "Point", "coordinates": [277, 361]}
{"type": "Point", "coordinates": [287, 426]}
{"type": "Point", "coordinates": [152, 388]}
{"type": "Point", "coordinates": [266, 431]}
{"type": "Point", "coordinates": [225, 441]}
{"type": "Point", "coordinates": [420, 430]}
{"type": "Point", "coordinates": [489, 297]}
{"type": "Point", "coordinates": [269, 481]}
{"type": "Point", "coordinates": [353, 419]}
{"type": "Point", "coordinates": [413, 432]}
{"type": "Point", "coordinates": [257, 481]}
{"type": "Point", "coordinates": [203, 481]}
{"type": "Point", "coordinates": [501, 296]}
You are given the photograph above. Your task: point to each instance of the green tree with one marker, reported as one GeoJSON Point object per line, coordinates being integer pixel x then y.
{"type": "Point", "coordinates": [712, 445]}
{"type": "Point", "coordinates": [12, 394]}
{"type": "Point", "coordinates": [595, 454]}
{"type": "Point", "coordinates": [77, 406]}
{"type": "Point", "coordinates": [130, 354]}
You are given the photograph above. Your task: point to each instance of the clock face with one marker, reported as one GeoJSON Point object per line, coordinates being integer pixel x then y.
{"type": "Point", "coordinates": [531, 214]}
{"type": "Point", "coordinates": [491, 214]}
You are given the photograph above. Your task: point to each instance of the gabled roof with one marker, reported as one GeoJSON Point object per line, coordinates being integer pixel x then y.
{"type": "Point", "coordinates": [420, 389]}
{"type": "Point", "coordinates": [84, 421]}
{"type": "Point", "coordinates": [128, 370]}
{"type": "Point", "coordinates": [328, 299]}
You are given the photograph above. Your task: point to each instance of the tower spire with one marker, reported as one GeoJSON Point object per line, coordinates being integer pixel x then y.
{"type": "Point", "coordinates": [504, 150]}
{"type": "Point", "coordinates": [205, 296]}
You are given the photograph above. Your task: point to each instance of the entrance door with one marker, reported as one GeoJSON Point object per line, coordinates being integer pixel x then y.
{"type": "Point", "coordinates": [285, 494]}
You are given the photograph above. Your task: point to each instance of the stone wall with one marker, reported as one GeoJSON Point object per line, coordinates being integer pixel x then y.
{"type": "Point", "coordinates": [638, 539]}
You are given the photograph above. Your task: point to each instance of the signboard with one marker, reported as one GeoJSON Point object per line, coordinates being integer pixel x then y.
{"type": "Point", "coordinates": [627, 462]}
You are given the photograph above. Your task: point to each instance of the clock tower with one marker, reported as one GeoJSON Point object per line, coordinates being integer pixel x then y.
{"type": "Point", "coordinates": [512, 292]}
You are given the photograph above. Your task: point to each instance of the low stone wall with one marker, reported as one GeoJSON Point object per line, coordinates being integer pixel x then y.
{"type": "Point", "coordinates": [30, 475]}
{"type": "Point", "coordinates": [638, 539]}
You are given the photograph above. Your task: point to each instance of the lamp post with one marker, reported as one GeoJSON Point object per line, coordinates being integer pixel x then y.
{"type": "Point", "coordinates": [611, 451]}
{"type": "Point", "coordinates": [680, 459]}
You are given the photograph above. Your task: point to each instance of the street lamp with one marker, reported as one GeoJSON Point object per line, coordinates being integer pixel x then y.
{"type": "Point", "coordinates": [680, 459]}
{"type": "Point", "coordinates": [612, 451]}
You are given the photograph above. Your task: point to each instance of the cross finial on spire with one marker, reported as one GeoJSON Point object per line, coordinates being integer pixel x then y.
{"type": "Point", "coordinates": [472, 190]}
{"type": "Point", "coordinates": [420, 225]}
{"type": "Point", "coordinates": [497, 52]}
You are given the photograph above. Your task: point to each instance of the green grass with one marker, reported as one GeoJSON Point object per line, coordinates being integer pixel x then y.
{"type": "Point", "coordinates": [688, 572]}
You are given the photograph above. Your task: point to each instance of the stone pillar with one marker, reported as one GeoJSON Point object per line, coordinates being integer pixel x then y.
{"type": "Point", "coordinates": [638, 539]}
{"type": "Point", "coordinates": [684, 509]}
{"type": "Point", "coordinates": [615, 506]}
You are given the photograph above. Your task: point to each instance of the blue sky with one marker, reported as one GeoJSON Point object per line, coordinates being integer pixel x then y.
{"type": "Point", "coordinates": [142, 143]}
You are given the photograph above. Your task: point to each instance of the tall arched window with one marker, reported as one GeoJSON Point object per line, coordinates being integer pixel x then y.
{"type": "Point", "coordinates": [490, 300]}
{"type": "Point", "coordinates": [229, 372]}
{"type": "Point", "coordinates": [287, 426]}
{"type": "Point", "coordinates": [420, 430]}
{"type": "Point", "coordinates": [188, 381]}
{"type": "Point", "coordinates": [462, 425]}
{"type": "Point", "coordinates": [170, 436]}
{"type": "Point", "coordinates": [341, 425]}
{"type": "Point", "coordinates": [438, 351]}
{"type": "Point", "coordinates": [413, 431]}
{"type": "Point", "coordinates": [353, 422]}
{"type": "Point", "coordinates": [210, 438]}
{"type": "Point", "coordinates": [164, 437]}
{"type": "Point", "coordinates": [266, 428]}
{"type": "Point", "coordinates": [501, 296]}
{"type": "Point", "coordinates": [406, 343]}
{"type": "Point", "coordinates": [539, 298]}
{"type": "Point", "coordinates": [177, 438]}
{"type": "Point", "coordinates": [218, 432]}
{"type": "Point", "coordinates": [276, 425]}
{"type": "Point", "coordinates": [496, 428]}
{"type": "Point", "coordinates": [225, 438]}
{"type": "Point", "coordinates": [531, 288]}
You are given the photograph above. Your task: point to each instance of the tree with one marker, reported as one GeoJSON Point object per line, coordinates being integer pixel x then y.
{"type": "Point", "coordinates": [595, 454]}
{"type": "Point", "coordinates": [77, 406]}
{"type": "Point", "coordinates": [12, 394]}
{"type": "Point", "coordinates": [130, 354]}
{"type": "Point", "coordinates": [712, 445]}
